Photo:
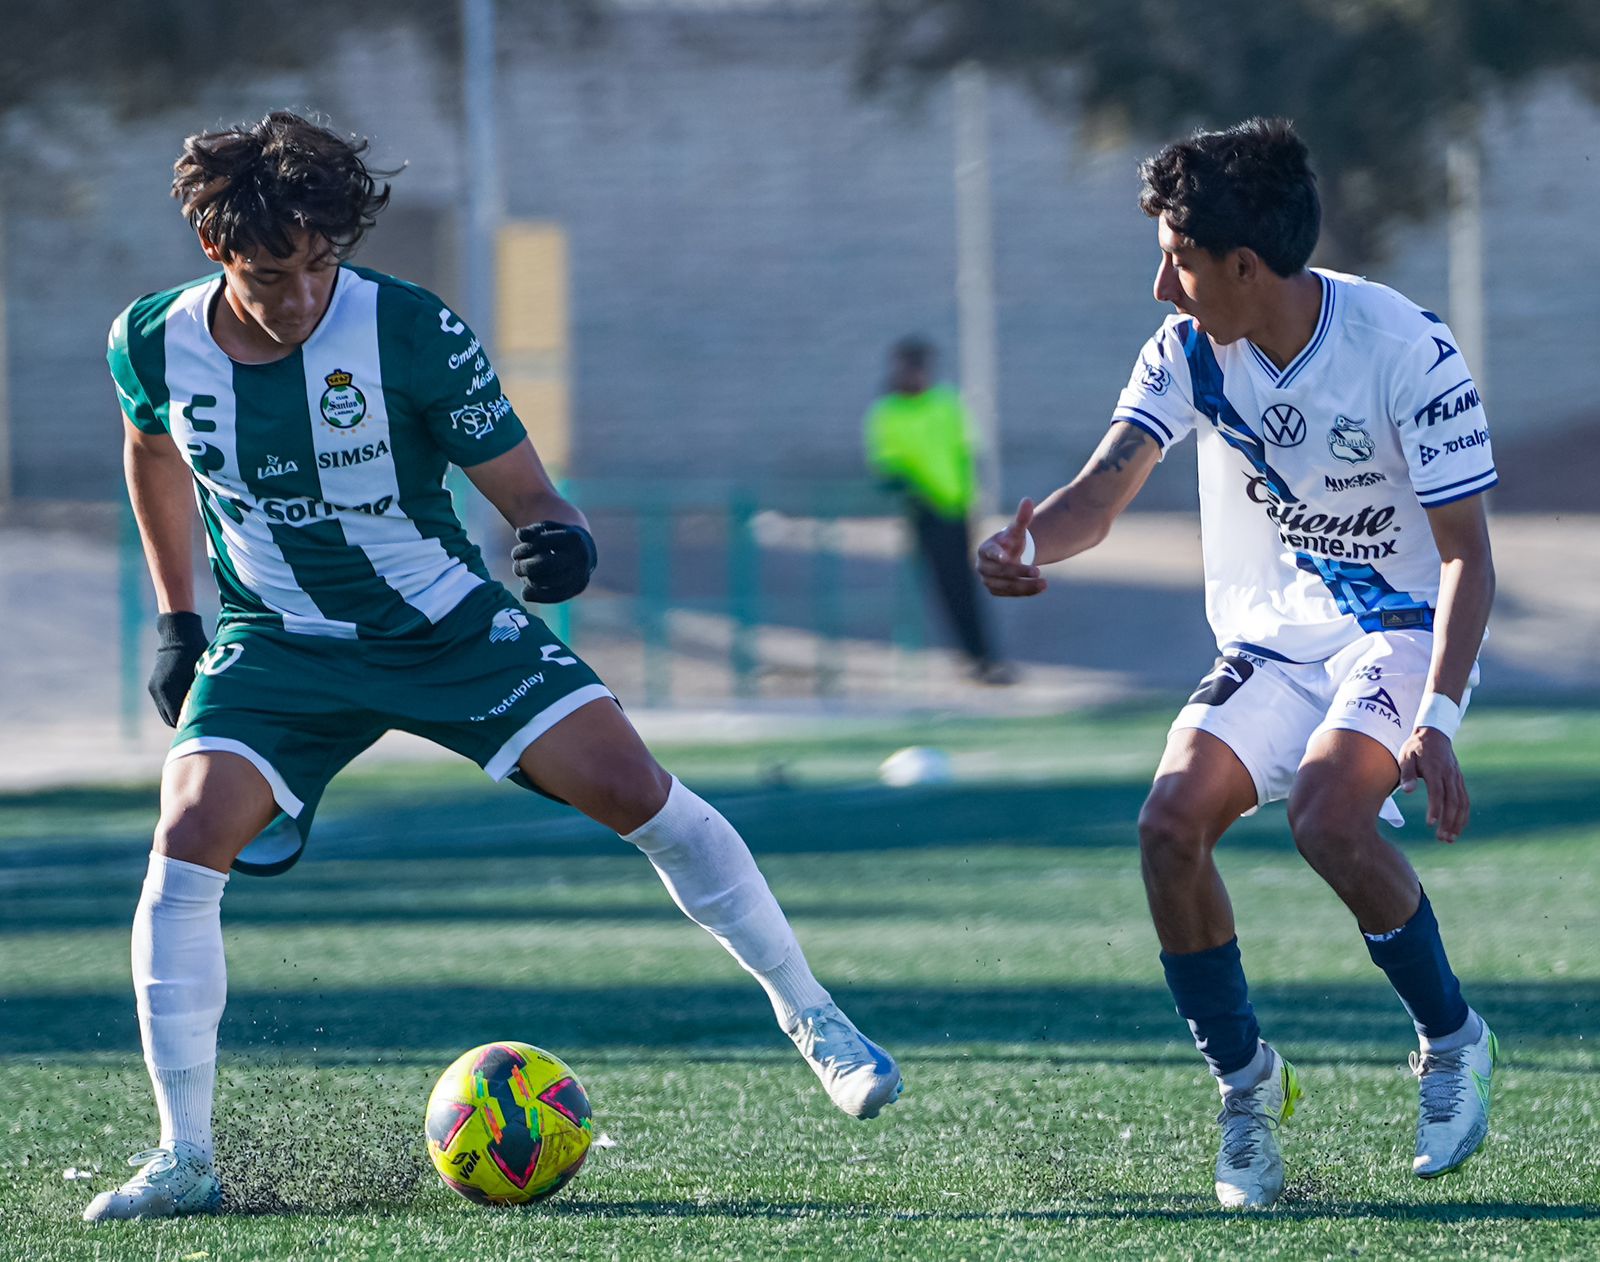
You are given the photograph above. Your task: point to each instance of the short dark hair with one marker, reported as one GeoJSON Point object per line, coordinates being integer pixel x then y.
{"type": "Point", "coordinates": [914, 352]}
{"type": "Point", "coordinates": [256, 186]}
{"type": "Point", "coordinates": [1250, 185]}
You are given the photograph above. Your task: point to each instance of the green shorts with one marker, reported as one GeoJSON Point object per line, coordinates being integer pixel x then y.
{"type": "Point", "coordinates": [486, 681]}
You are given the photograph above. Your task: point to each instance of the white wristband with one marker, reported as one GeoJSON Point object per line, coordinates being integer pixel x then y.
{"type": "Point", "coordinates": [1440, 713]}
{"type": "Point", "coordinates": [1027, 547]}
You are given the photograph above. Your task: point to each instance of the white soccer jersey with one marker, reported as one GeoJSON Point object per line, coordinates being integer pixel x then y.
{"type": "Point", "coordinates": [1313, 480]}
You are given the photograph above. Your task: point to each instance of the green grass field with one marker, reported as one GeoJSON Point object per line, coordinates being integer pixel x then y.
{"type": "Point", "coordinates": [992, 933]}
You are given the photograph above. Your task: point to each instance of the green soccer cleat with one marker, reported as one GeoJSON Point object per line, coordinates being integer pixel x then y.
{"type": "Point", "coordinates": [1453, 1117]}
{"type": "Point", "coordinates": [1250, 1162]}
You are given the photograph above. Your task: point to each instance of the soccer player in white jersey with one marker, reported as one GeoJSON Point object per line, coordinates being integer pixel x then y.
{"type": "Point", "coordinates": [1343, 459]}
{"type": "Point", "coordinates": [311, 409]}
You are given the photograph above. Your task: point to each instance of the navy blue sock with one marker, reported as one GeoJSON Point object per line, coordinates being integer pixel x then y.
{"type": "Point", "coordinates": [1210, 991]}
{"type": "Point", "coordinates": [1413, 958]}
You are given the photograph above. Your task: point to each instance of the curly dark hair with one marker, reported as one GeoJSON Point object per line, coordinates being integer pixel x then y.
{"type": "Point", "coordinates": [258, 186]}
{"type": "Point", "coordinates": [1250, 185]}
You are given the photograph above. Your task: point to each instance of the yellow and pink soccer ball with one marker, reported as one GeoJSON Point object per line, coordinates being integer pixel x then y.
{"type": "Point", "coordinates": [507, 1124]}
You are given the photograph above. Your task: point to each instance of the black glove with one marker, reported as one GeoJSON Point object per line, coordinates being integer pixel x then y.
{"type": "Point", "coordinates": [182, 640]}
{"type": "Point", "coordinates": [553, 560]}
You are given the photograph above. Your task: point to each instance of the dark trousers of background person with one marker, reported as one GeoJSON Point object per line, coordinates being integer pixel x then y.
{"type": "Point", "coordinates": [947, 548]}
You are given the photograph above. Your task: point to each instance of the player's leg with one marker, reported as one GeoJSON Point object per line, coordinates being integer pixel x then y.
{"type": "Point", "coordinates": [595, 760]}
{"type": "Point", "coordinates": [1346, 777]}
{"type": "Point", "coordinates": [1200, 789]}
{"type": "Point", "coordinates": [212, 804]}
{"type": "Point", "coordinates": [947, 550]}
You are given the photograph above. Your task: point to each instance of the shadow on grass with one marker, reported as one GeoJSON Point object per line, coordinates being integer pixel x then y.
{"type": "Point", "coordinates": [1118, 1207]}
{"type": "Point", "coordinates": [325, 1028]}
{"type": "Point", "coordinates": [362, 865]}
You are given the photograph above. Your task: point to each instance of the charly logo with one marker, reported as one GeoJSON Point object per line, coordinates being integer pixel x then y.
{"type": "Point", "coordinates": [1284, 424]}
{"type": "Point", "coordinates": [276, 468]}
{"type": "Point", "coordinates": [1443, 350]}
{"type": "Point", "coordinates": [218, 658]}
{"type": "Point", "coordinates": [1349, 441]}
{"type": "Point", "coordinates": [343, 406]}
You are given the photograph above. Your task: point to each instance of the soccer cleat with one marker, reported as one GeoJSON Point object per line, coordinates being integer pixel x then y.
{"type": "Point", "coordinates": [171, 1182]}
{"type": "Point", "coordinates": [1453, 1119]}
{"type": "Point", "coordinates": [860, 1077]}
{"type": "Point", "coordinates": [1250, 1163]}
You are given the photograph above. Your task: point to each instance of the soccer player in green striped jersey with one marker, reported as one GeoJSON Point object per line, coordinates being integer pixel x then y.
{"type": "Point", "coordinates": [310, 408]}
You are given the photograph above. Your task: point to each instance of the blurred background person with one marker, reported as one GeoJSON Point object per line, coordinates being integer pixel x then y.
{"type": "Point", "coordinates": [919, 441]}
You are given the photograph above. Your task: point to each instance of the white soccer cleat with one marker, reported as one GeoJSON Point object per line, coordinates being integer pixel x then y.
{"type": "Point", "coordinates": [1250, 1162]}
{"type": "Point", "coordinates": [171, 1182]}
{"type": "Point", "coordinates": [1453, 1118]}
{"type": "Point", "coordinates": [860, 1077]}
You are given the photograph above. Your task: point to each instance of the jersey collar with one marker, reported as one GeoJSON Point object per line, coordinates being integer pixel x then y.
{"type": "Point", "coordinates": [1324, 322]}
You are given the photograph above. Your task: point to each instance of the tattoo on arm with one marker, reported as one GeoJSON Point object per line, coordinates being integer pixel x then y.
{"type": "Point", "coordinates": [1122, 451]}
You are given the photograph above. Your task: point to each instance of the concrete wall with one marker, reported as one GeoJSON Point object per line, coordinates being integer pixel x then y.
{"type": "Point", "coordinates": [746, 237]}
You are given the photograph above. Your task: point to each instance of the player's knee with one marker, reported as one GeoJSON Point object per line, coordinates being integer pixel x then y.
{"type": "Point", "coordinates": [1323, 829]}
{"type": "Point", "coordinates": [625, 794]}
{"type": "Point", "coordinates": [1170, 838]}
{"type": "Point", "coordinates": [184, 834]}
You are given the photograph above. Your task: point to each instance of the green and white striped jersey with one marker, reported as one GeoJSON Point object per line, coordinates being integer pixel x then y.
{"type": "Point", "coordinates": [320, 477]}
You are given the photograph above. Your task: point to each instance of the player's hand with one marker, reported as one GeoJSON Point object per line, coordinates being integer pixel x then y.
{"type": "Point", "coordinates": [181, 640]}
{"type": "Point", "coordinates": [1430, 757]}
{"type": "Point", "coordinates": [554, 560]}
{"type": "Point", "coordinates": [1000, 559]}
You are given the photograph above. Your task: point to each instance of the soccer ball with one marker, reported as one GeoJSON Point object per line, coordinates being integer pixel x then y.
{"type": "Point", "coordinates": [920, 764]}
{"type": "Point", "coordinates": [507, 1124]}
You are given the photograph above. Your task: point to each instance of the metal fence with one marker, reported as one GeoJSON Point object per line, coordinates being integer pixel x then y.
{"type": "Point", "coordinates": [696, 577]}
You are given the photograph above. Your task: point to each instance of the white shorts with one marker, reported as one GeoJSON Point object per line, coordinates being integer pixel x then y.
{"type": "Point", "coordinates": [1268, 712]}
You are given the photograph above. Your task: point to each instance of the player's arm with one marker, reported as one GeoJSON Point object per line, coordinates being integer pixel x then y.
{"type": "Point", "coordinates": [520, 489]}
{"type": "Point", "coordinates": [1466, 592]}
{"type": "Point", "coordinates": [555, 553]}
{"type": "Point", "coordinates": [1074, 518]}
{"type": "Point", "coordinates": [160, 489]}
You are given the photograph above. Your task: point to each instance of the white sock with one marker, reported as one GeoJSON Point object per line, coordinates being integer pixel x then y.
{"type": "Point", "coordinates": [1250, 1075]}
{"type": "Point", "coordinates": [711, 875]}
{"type": "Point", "coordinates": [181, 984]}
{"type": "Point", "coordinates": [1470, 1032]}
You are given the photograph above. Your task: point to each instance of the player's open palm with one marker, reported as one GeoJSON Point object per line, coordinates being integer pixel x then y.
{"type": "Point", "coordinates": [1005, 560]}
{"type": "Point", "coordinates": [1429, 756]}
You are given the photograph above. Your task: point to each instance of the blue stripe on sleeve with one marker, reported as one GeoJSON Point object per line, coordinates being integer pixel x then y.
{"type": "Point", "coordinates": [1493, 481]}
{"type": "Point", "coordinates": [1131, 415]}
{"type": "Point", "coordinates": [1450, 486]}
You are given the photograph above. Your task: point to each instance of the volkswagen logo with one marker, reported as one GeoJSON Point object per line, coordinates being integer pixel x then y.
{"type": "Point", "coordinates": [1284, 425]}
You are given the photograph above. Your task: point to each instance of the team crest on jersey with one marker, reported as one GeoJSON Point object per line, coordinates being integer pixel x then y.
{"type": "Point", "coordinates": [343, 405]}
{"type": "Point", "coordinates": [1350, 442]}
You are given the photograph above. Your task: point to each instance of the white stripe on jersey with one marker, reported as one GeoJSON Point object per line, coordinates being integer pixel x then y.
{"type": "Point", "coordinates": [197, 366]}
{"type": "Point", "coordinates": [356, 465]}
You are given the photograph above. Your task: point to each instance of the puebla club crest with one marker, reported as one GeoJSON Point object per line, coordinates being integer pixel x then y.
{"type": "Point", "coordinates": [343, 406]}
{"type": "Point", "coordinates": [1349, 441]}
